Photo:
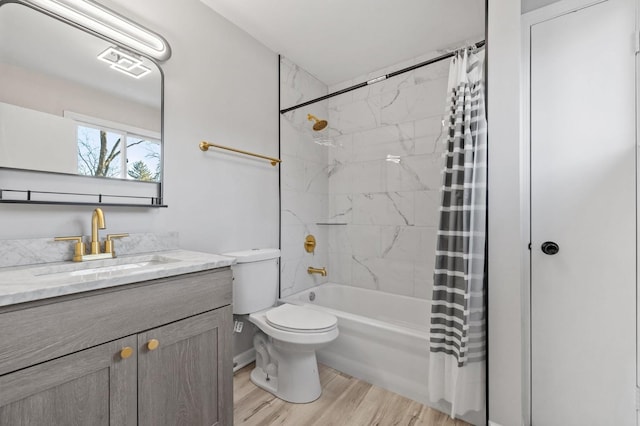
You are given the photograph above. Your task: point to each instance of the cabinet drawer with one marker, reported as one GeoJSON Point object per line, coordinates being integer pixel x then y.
{"type": "Point", "coordinates": [40, 333]}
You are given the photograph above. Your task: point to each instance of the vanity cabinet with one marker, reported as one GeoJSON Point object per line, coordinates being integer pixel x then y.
{"type": "Point", "coordinates": [151, 353]}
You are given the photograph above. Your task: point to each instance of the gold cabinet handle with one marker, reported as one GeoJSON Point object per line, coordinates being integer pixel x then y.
{"type": "Point", "coordinates": [153, 344]}
{"type": "Point", "coordinates": [126, 352]}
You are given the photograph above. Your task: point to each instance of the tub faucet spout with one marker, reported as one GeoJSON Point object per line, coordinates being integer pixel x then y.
{"type": "Point", "coordinates": [322, 271]}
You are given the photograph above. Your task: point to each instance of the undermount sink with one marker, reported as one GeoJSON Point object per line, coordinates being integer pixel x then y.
{"type": "Point", "coordinates": [104, 267]}
{"type": "Point", "coordinates": [115, 268]}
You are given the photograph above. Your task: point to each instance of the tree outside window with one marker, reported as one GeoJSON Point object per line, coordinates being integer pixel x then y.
{"type": "Point", "coordinates": [101, 152]}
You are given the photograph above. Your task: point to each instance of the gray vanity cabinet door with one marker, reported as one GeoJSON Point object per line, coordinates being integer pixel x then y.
{"type": "Point", "coordinates": [95, 386]}
{"type": "Point", "coordinates": [187, 378]}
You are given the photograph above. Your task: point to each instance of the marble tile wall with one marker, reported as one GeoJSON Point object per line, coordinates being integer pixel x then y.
{"type": "Point", "coordinates": [390, 208]}
{"type": "Point", "coordinates": [384, 213]}
{"type": "Point", "coordinates": [304, 180]}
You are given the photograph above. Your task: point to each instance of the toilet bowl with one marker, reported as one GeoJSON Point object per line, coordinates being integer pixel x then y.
{"type": "Point", "coordinates": [292, 334]}
{"type": "Point", "coordinates": [289, 335]}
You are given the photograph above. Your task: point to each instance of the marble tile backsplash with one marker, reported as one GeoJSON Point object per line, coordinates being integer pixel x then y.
{"type": "Point", "coordinates": [46, 250]}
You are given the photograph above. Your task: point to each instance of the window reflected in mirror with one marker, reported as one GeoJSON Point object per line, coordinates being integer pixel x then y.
{"type": "Point", "coordinates": [102, 153]}
{"type": "Point", "coordinates": [143, 159]}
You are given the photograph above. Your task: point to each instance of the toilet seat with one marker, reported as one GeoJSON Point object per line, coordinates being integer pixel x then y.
{"type": "Point", "coordinates": [299, 319]}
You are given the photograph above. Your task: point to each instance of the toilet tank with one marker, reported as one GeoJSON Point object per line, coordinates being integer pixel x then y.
{"type": "Point", "coordinates": [255, 279]}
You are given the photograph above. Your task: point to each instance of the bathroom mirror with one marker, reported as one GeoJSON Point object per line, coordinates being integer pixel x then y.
{"type": "Point", "coordinates": [73, 103]}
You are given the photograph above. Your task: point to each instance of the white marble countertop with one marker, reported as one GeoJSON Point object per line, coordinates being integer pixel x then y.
{"type": "Point", "coordinates": [41, 281]}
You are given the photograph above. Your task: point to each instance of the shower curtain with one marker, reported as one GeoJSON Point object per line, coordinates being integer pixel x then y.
{"type": "Point", "coordinates": [457, 333]}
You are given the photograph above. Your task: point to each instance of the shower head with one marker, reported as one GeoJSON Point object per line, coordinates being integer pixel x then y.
{"type": "Point", "coordinates": [319, 124]}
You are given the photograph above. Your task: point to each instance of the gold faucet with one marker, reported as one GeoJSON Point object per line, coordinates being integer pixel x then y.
{"type": "Point", "coordinates": [97, 222]}
{"type": "Point", "coordinates": [322, 271]}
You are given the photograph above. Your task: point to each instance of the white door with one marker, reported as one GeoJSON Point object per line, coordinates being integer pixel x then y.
{"type": "Point", "coordinates": [583, 198]}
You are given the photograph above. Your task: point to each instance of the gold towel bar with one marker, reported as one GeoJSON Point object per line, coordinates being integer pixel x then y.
{"type": "Point", "coordinates": [204, 146]}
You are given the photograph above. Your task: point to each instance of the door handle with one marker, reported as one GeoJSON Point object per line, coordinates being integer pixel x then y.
{"type": "Point", "coordinates": [550, 248]}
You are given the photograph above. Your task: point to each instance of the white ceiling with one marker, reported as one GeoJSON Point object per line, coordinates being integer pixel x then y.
{"type": "Point", "coordinates": [337, 40]}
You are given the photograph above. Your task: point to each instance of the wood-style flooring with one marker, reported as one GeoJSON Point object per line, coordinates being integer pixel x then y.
{"type": "Point", "coordinates": [345, 401]}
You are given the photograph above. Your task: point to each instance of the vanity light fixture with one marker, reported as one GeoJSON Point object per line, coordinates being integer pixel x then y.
{"type": "Point", "coordinates": [98, 19]}
{"type": "Point", "coordinates": [124, 62]}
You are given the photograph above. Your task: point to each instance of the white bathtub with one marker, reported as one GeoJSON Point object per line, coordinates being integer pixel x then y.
{"type": "Point", "coordinates": [384, 339]}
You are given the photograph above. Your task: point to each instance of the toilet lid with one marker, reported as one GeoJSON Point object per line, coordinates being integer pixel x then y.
{"type": "Point", "coordinates": [299, 319]}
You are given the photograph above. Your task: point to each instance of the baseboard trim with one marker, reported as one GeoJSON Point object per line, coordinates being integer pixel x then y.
{"type": "Point", "coordinates": [244, 359]}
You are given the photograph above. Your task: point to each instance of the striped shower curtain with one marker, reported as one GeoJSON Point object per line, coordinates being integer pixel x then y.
{"type": "Point", "coordinates": [458, 318]}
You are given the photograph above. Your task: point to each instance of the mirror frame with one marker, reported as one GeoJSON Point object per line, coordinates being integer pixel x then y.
{"type": "Point", "coordinates": [80, 197]}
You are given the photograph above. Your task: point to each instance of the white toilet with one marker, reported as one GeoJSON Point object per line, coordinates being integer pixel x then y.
{"type": "Point", "coordinates": [286, 346]}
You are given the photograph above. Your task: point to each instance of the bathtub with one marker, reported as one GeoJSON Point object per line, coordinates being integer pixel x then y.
{"type": "Point", "coordinates": [384, 339]}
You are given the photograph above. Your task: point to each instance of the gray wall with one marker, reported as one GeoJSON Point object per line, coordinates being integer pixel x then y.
{"type": "Point", "coordinates": [505, 245]}
{"type": "Point", "coordinates": [220, 85]}
{"type": "Point", "coordinates": [529, 5]}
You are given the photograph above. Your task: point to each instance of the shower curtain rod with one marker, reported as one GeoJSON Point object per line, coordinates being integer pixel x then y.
{"type": "Point", "coordinates": [378, 79]}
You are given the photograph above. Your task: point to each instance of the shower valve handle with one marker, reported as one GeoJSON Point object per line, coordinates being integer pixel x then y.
{"type": "Point", "coordinates": [550, 248]}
